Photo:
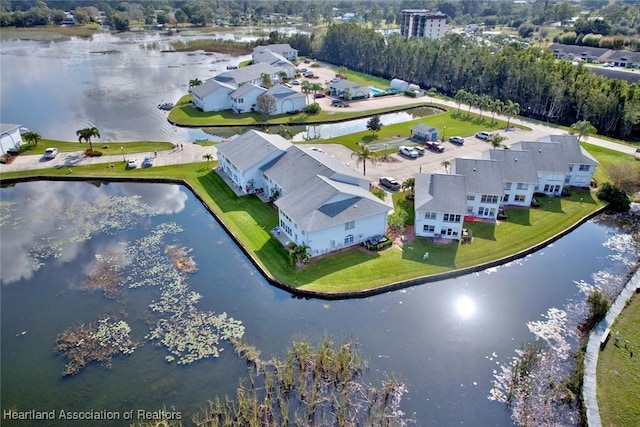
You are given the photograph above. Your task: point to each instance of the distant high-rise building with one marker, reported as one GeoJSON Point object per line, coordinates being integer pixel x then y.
{"type": "Point", "coordinates": [423, 23]}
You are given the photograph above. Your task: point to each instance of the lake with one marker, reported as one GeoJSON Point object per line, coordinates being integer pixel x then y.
{"type": "Point", "coordinates": [445, 339]}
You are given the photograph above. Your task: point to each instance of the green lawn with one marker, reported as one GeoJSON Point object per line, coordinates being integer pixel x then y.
{"type": "Point", "coordinates": [107, 148]}
{"type": "Point", "coordinates": [250, 221]}
{"type": "Point", "coordinates": [618, 372]}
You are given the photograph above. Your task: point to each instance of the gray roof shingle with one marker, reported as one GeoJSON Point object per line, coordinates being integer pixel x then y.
{"type": "Point", "coordinates": [517, 165]}
{"type": "Point", "coordinates": [298, 165]}
{"type": "Point", "coordinates": [246, 74]}
{"type": "Point", "coordinates": [252, 147]}
{"type": "Point", "coordinates": [323, 203]}
{"type": "Point", "coordinates": [211, 86]}
{"type": "Point", "coordinates": [483, 176]}
{"type": "Point", "coordinates": [440, 193]}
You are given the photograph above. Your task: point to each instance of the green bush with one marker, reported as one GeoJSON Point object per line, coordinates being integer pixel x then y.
{"type": "Point", "coordinates": [616, 197]}
{"type": "Point", "coordinates": [312, 108]}
{"type": "Point", "coordinates": [378, 192]}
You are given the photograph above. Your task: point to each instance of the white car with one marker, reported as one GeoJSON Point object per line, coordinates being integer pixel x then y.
{"type": "Point", "coordinates": [132, 164]}
{"type": "Point", "coordinates": [295, 82]}
{"type": "Point", "coordinates": [50, 153]}
{"type": "Point", "coordinates": [408, 151]}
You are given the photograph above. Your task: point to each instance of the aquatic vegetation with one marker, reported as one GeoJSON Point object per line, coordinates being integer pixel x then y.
{"type": "Point", "coordinates": [545, 392]}
{"type": "Point", "coordinates": [75, 223]}
{"type": "Point", "coordinates": [150, 267]}
{"type": "Point", "coordinates": [95, 342]}
{"type": "Point", "coordinates": [182, 262]}
{"type": "Point", "coordinates": [104, 274]}
{"type": "Point", "coordinates": [188, 333]}
{"type": "Point", "coordinates": [324, 385]}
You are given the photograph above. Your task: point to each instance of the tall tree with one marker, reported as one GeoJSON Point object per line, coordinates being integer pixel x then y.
{"type": "Point", "coordinates": [511, 109]}
{"type": "Point", "coordinates": [583, 128]}
{"type": "Point", "coordinates": [446, 164]}
{"type": "Point", "coordinates": [363, 155]}
{"type": "Point", "coordinates": [86, 134]}
{"type": "Point", "coordinates": [461, 96]}
{"type": "Point", "coordinates": [194, 82]}
{"type": "Point", "coordinates": [266, 105]}
{"type": "Point", "coordinates": [374, 124]}
{"type": "Point", "coordinates": [208, 157]}
{"type": "Point", "coordinates": [496, 107]}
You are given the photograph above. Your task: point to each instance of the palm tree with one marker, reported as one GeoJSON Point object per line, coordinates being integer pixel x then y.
{"type": "Point", "coordinates": [317, 87]}
{"type": "Point", "coordinates": [511, 109]}
{"type": "Point", "coordinates": [446, 165]}
{"type": "Point", "coordinates": [496, 107]}
{"type": "Point", "coordinates": [194, 83]}
{"type": "Point", "coordinates": [306, 88]}
{"type": "Point", "coordinates": [582, 128]}
{"type": "Point", "coordinates": [461, 96]}
{"type": "Point", "coordinates": [495, 139]}
{"type": "Point", "coordinates": [208, 157]}
{"type": "Point", "coordinates": [362, 155]}
{"type": "Point", "coordinates": [484, 102]}
{"type": "Point", "coordinates": [299, 253]}
{"type": "Point", "coordinates": [32, 137]}
{"type": "Point", "coordinates": [409, 184]}
{"type": "Point", "coordinates": [87, 134]}
{"type": "Point", "coordinates": [472, 99]}
{"type": "Point", "coordinates": [282, 75]}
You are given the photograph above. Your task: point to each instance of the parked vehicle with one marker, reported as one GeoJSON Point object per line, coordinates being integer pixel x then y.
{"type": "Point", "coordinates": [456, 140]}
{"type": "Point", "coordinates": [420, 150]}
{"type": "Point", "coordinates": [390, 183]}
{"type": "Point", "coordinates": [408, 151]}
{"type": "Point", "coordinates": [50, 153]}
{"type": "Point", "coordinates": [287, 85]}
{"type": "Point", "coordinates": [334, 80]}
{"type": "Point", "coordinates": [147, 162]}
{"type": "Point", "coordinates": [336, 101]}
{"type": "Point", "coordinates": [132, 164]}
{"type": "Point", "coordinates": [434, 146]}
{"type": "Point", "coordinates": [319, 95]}
{"type": "Point", "coordinates": [295, 82]}
{"type": "Point", "coordinates": [483, 135]}
{"type": "Point", "coordinates": [308, 74]}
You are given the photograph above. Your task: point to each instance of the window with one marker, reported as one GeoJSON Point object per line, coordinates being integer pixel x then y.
{"type": "Point", "coordinates": [240, 100]}
{"type": "Point", "coordinates": [349, 225]}
{"type": "Point", "coordinates": [471, 197]}
{"type": "Point", "coordinates": [507, 186]}
{"type": "Point", "coordinates": [429, 215]}
{"type": "Point", "coordinates": [519, 198]}
{"type": "Point", "coordinates": [428, 228]}
{"type": "Point", "coordinates": [584, 168]}
{"type": "Point", "coordinates": [522, 186]}
{"type": "Point", "coordinates": [546, 188]}
{"type": "Point", "coordinates": [505, 198]}
{"type": "Point", "coordinates": [348, 239]}
{"type": "Point", "coordinates": [486, 198]}
{"type": "Point", "coordinates": [452, 218]}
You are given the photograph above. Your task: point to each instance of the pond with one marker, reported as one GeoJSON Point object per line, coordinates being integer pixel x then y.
{"type": "Point", "coordinates": [444, 339]}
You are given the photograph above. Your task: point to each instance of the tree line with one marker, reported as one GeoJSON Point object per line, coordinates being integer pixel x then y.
{"type": "Point", "coordinates": [544, 88]}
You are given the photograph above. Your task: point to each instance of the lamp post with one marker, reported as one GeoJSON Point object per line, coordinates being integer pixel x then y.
{"type": "Point", "coordinates": [385, 151]}
{"type": "Point", "coordinates": [122, 151]}
{"type": "Point", "coordinates": [444, 130]}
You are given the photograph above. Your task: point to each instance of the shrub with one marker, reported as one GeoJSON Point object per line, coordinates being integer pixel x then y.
{"type": "Point", "coordinates": [312, 108]}
{"type": "Point", "coordinates": [616, 197]}
{"type": "Point", "coordinates": [92, 153]}
{"type": "Point", "coordinates": [378, 192]}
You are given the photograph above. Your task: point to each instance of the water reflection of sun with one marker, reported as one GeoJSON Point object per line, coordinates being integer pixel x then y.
{"type": "Point", "coordinates": [465, 307]}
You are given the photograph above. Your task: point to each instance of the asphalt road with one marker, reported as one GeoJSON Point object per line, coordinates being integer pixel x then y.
{"type": "Point", "coordinates": [395, 165]}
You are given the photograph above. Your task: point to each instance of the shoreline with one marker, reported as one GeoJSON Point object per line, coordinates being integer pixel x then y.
{"type": "Point", "coordinates": [310, 294]}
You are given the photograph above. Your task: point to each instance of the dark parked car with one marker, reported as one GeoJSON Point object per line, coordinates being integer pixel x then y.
{"type": "Point", "coordinates": [456, 140]}
{"type": "Point", "coordinates": [434, 146]}
{"type": "Point", "coordinates": [390, 183]}
{"type": "Point", "coordinates": [319, 95]}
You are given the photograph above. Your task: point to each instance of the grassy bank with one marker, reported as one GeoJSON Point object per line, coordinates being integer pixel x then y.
{"type": "Point", "coordinates": [353, 270]}
{"type": "Point", "coordinates": [107, 148]}
{"type": "Point", "coordinates": [228, 47]}
{"type": "Point", "coordinates": [618, 372]}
